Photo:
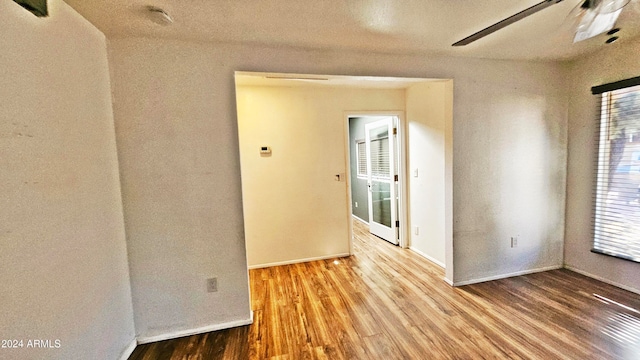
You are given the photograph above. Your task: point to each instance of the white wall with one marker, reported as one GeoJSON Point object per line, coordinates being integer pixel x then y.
{"type": "Point", "coordinates": [63, 257]}
{"type": "Point", "coordinates": [427, 115]}
{"type": "Point", "coordinates": [509, 170]}
{"type": "Point", "coordinates": [293, 207]}
{"type": "Point", "coordinates": [177, 132]}
{"type": "Point", "coordinates": [180, 171]}
{"type": "Point", "coordinates": [613, 63]}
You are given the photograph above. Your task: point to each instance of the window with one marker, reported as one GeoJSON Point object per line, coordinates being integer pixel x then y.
{"type": "Point", "coordinates": [617, 194]}
{"type": "Point", "coordinates": [380, 157]}
{"type": "Point", "coordinates": [361, 158]}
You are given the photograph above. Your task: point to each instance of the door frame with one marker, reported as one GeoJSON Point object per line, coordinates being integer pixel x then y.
{"type": "Point", "coordinates": [403, 203]}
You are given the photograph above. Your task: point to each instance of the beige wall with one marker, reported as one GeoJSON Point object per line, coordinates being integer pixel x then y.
{"type": "Point", "coordinates": [180, 167]}
{"type": "Point", "coordinates": [180, 172]}
{"type": "Point", "coordinates": [428, 112]}
{"type": "Point", "coordinates": [293, 207]}
{"type": "Point", "coordinates": [63, 257]}
{"type": "Point", "coordinates": [509, 170]}
{"type": "Point", "coordinates": [614, 63]}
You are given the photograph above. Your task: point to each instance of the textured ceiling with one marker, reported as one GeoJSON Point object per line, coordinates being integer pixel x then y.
{"type": "Point", "coordinates": [406, 26]}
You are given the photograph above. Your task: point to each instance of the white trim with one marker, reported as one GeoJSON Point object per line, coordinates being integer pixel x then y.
{"type": "Point", "coordinates": [195, 331]}
{"type": "Point", "coordinates": [426, 256]}
{"type": "Point", "coordinates": [347, 159]}
{"type": "Point", "coordinates": [382, 123]}
{"type": "Point", "coordinates": [296, 261]}
{"type": "Point", "coordinates": [129, 350]}
{"type": "Point", "coordinates": [504, 276]}
{"type": "Point", "coordinates": [448, 281]}
{"type": "Point", "coordinates": [604, 280]}
{"type": "Point", "coordinates": [355, 217]}
{"type": "Point", "coordinates": [403, 183]}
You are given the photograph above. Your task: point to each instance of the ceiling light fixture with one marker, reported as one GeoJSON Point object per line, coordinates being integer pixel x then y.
{"type": "Point", "coordinates": [594, 23]}
{"type": "Point", "coordinates": [159, 16]}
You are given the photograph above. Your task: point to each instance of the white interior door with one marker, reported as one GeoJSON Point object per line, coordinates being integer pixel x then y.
{"type": "Point", "coordinates": [381, 179]}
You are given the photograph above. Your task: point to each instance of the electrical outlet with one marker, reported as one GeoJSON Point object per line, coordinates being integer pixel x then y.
{"type": "Point", "coordinates": [417, 230]}
{"type": "Point", "coordinates": [514, 241]}
{"type": "Point", "coordinates": [356, 204]}
{"type": "Point", "coordinates": [212, 285]}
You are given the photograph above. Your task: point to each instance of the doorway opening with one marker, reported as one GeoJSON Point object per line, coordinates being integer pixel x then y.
{"type": "Point", "coordinates": [294, 147]}
{"type": "Point", "coordinates": [376, 168]}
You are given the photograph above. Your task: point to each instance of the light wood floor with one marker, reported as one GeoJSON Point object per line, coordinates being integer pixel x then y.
{"type": "Point", "coordinates": [388, 303]}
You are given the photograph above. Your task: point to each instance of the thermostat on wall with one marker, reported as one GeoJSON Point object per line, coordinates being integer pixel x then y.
{"type": "Point", "coordinates": [265, 150]}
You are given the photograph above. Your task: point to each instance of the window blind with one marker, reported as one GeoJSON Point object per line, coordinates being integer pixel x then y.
{"type": "Point", "coordinates": [362, 158]}
{"type": "Point", "coordinates": [380, 158]}
{"type": "Point", "coordinates": [617, 192]}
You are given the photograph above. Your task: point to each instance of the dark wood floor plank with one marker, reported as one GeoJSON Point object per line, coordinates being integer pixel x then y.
{"type": "Point", "coordinates": [385, 302]}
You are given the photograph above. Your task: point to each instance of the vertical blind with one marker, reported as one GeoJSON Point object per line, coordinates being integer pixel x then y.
{"type": "Point", "coordinates": [617, 192]}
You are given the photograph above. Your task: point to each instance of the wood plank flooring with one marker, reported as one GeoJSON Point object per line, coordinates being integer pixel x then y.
{"type": "Point", "coordinates": [388, 303]}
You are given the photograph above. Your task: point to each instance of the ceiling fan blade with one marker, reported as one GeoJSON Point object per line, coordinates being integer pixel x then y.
{"type": "Point", "coordinates": [508, 21]}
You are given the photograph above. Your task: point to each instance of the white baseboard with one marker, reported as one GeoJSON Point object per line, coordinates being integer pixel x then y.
{"type": "Point", "coordinates": [129, 350]}
{"type": "Point", "coordinates": [296, 261]}
{"type": "Point", "coordinates": [604, 280]}
{"type": "Point", "coordinates": [504, 276]}
{"type": "Point", "coordinates": [426, 256]}
{"type": "Point", "coordinates": [200, 330]}
{"type": "Point", "coordinates": [448, 281]}
{"type": "Point", "coordinates": [359, 219]}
